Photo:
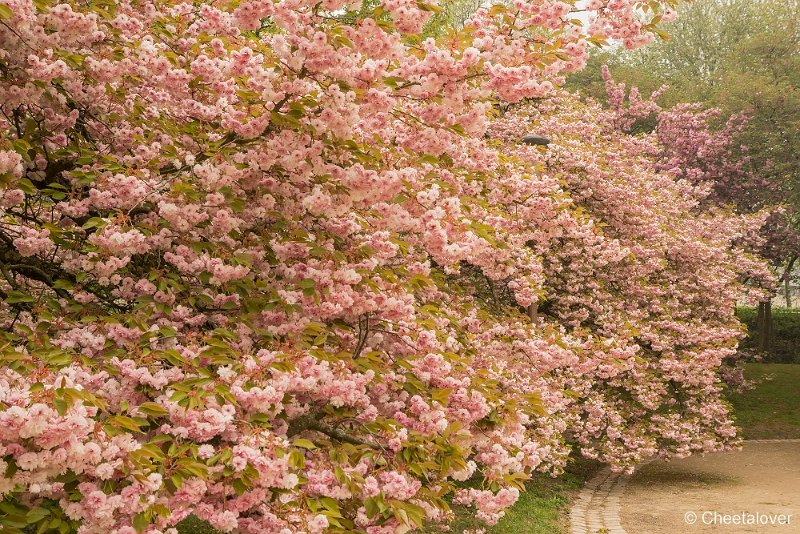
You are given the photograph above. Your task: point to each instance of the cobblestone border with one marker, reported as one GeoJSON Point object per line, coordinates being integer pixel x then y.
{"type": "Point", "coordinates": [596, 509]}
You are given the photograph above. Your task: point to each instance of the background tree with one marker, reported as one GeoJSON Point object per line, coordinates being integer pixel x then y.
{"type": "Point", "coordinates": [741, 57]}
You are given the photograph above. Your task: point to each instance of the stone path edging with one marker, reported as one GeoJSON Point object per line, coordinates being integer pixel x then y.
{"type": "Point", "coordinates": [597, 506]}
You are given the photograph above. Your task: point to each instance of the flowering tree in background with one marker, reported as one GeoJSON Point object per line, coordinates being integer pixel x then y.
{"type": "Point", "coordinates": [652, 262]}
{"type": "Point", "coordinates": [714, 158]}
{"type": "Point", "coordinates": [260, 263]}
{"type": "Point", "coordinates": [742, 57]}
{"type": "Point", "coordinates": [695, 149]}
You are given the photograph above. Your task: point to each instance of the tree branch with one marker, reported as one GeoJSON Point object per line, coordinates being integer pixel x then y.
{"type": "Point", "coordinates": [313, 421]}
{"type": "Point", "coordinates": [36, 273]}
{"type": "Point", "coordinates": [363, 333]}
{"type": "Point", "coordinates": [339, 435]}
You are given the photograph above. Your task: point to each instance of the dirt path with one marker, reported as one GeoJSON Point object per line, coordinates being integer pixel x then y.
{"type": "Point", "coordinates": [718, 493]}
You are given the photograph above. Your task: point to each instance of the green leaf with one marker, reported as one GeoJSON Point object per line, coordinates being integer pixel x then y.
{"type": "Point", "coordinates": [5, 12]}
{"type": "Point", "coordinates": [177, 480]}
{"type": "Point", "coordinates": [62, 284]}
{"type": "Point", "coordinates": [304, 443]}
{"type": "Point", "coordinates": [297, 460]}
{"type": "Point", "coordinates": [193, 467]}
{"type": "Point", "coordinates": [429, 7]}
{"type": "Point", "coordinates": [307, 283]}
{"type": "Point", "coordinates": [239, 486]}
{"type": "Point", "coordinates": [16, 297]}
{"type": "Point", "coordinates": [331, 505]}
{"type": "Point", "coordinates": [497, 9]}
{"type": "Point", "coordinates": [141, 521]}
{"type": "Point", "coordinates": [37, 514]}
{"type": "Point", "coordinates": [148, 453]}
{"type": "Point", "coordinates": [92, 223]}
{"type": "Point", "coordinates": [153, 408]}
{"type": "Point", "coordinates": [128, 423]}
{"type": "Point", "coordinates": [371, 506]}
{"type": "Point", "coordinates": [442, 396]}
{"type": "Point", "coordinates": [60, 405]}
{"type": "Point", "coordinates": [260, 419]}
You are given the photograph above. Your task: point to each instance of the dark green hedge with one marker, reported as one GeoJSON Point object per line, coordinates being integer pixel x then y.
{"type": "Point", "coordinates": [785, 346]}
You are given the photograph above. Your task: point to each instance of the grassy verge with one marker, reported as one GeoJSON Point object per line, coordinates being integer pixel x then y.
{"type": "Point", "coordinates": [772, 409]}
{"type": "Point", "coordinates": [192, 525]}
{"type": "Point", "coordinates": [541, 509]}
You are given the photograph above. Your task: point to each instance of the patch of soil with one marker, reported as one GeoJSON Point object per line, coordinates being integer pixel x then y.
{"type": "Point", "coordinates": [682, 496]}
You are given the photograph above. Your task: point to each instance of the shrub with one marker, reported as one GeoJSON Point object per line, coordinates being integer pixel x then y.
{"type": "Point", "coordinates": [785, 342]}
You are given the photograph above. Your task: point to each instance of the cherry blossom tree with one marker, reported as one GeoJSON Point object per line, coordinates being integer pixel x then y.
{"type": "Point", "coordinates": [740, 56]}
{"type": "Point", "coordinates": [272, 263]}
{"type": "Point", "coordinates": [714, 157]}
{"type": "Point", "coordinates": [646, 239]}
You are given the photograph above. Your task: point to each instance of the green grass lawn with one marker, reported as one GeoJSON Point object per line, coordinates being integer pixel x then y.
{"type": "Point", "coordinates": [192, 525]}
{"type": "Point", "coordinates": [541, 509]}
{"type": "Point", "coordinates": [772, 409]}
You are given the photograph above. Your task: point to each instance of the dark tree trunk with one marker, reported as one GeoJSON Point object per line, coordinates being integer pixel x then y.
{"type": "Point", "coordinates": [533, 311]}
{"type": "Point", "coordinates": [764, 326]}
{"type": "Point", "coordinates": [787, 278]}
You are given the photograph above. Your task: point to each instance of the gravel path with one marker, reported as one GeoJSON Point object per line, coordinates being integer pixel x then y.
{"type": "Point", "coordinates": [755, 490]}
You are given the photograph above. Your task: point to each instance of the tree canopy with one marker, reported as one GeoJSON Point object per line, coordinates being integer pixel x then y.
{"type": "Point", "coordinates": [741, 57]}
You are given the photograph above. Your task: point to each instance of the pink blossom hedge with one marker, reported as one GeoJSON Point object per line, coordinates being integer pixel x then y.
{"type": "Point", "coordinates": [262, 263]}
